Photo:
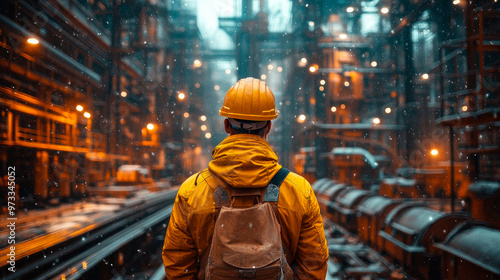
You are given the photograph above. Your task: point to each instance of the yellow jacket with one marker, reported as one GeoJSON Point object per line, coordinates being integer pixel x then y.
{"type": "Point", "coordinates": [242, 161]}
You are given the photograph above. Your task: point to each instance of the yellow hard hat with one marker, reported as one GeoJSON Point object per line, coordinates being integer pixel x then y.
{"type": "Point", "coordinates": [249, 99]}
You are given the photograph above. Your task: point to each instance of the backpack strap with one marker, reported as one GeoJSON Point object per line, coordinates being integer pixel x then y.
{"type": "Point", "coordinates": [272, 195]}
{"type": "Point", "coordinates": [273, 189]}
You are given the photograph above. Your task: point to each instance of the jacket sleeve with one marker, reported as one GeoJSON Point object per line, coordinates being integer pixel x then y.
{"type": "Point", "coordinates": [311, 257]}
{"type": "Point", "coordinates": [179, 251]}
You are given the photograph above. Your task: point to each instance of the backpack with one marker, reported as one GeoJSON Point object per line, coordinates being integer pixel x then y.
{"type": "Point", "coordinates": [246, 243]}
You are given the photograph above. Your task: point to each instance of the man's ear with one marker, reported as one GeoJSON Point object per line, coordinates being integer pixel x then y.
{"type": "Point", "coordinates": [268, 129]}
{"type": "Point", "coordinates": [227, 126]}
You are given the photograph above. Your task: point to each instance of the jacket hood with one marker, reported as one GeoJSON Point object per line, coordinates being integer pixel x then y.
{"type": "Point", "coordinates": [244, 161]}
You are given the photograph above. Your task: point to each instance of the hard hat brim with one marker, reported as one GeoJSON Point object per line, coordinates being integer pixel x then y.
{"type": "Point", "coordinates": [249, 117]}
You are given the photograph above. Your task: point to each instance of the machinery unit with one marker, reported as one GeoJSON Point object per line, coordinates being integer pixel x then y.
{"type": "Point", "coordinates": [344, 209]}
{"type": "Point", "coordinates": [408, 234]}
{"type": "Point", "coordinates": [371, 217]}
{"type": "Point", "coordinates": [485, 202]}
{"type": "Point", "coordinates": [470, 252]}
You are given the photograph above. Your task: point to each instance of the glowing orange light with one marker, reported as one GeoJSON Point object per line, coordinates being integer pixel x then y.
{"type": "Point", "coordinates": [303, 62]}
{"type": "Point", "coordinates": [33, 41]}
{"type": "Point", "coordinates": [313, 68]}
{"type": "Point", "coordinates": [197, 63]}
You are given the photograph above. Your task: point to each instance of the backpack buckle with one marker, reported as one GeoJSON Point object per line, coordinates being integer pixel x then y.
{"type": "Point", "coordinates": [247, 273]}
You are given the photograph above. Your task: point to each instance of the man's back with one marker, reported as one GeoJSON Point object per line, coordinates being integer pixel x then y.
{"type": "Point", "coordinates": [243, 161]}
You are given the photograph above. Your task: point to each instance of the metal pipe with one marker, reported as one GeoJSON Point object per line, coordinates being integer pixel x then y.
{"type": "Point", "coordinates": [452, 169]}
{"type": "Point", "coordinates": [30, 75]}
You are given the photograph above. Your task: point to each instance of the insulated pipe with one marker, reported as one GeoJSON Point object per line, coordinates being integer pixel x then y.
{"type": "Point", "coordinates": [30, 75]}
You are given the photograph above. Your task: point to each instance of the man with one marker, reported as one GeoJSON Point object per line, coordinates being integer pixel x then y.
{"type": "Point", "coordinates": [244, 160]}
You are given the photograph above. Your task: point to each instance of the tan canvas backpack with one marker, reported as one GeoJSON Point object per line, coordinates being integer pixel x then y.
{"type": "Point", "coordinates": [247, 241]}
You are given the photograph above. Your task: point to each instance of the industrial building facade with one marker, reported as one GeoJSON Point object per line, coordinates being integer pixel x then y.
{"type": "Point", "coordinates": [102, 85]}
